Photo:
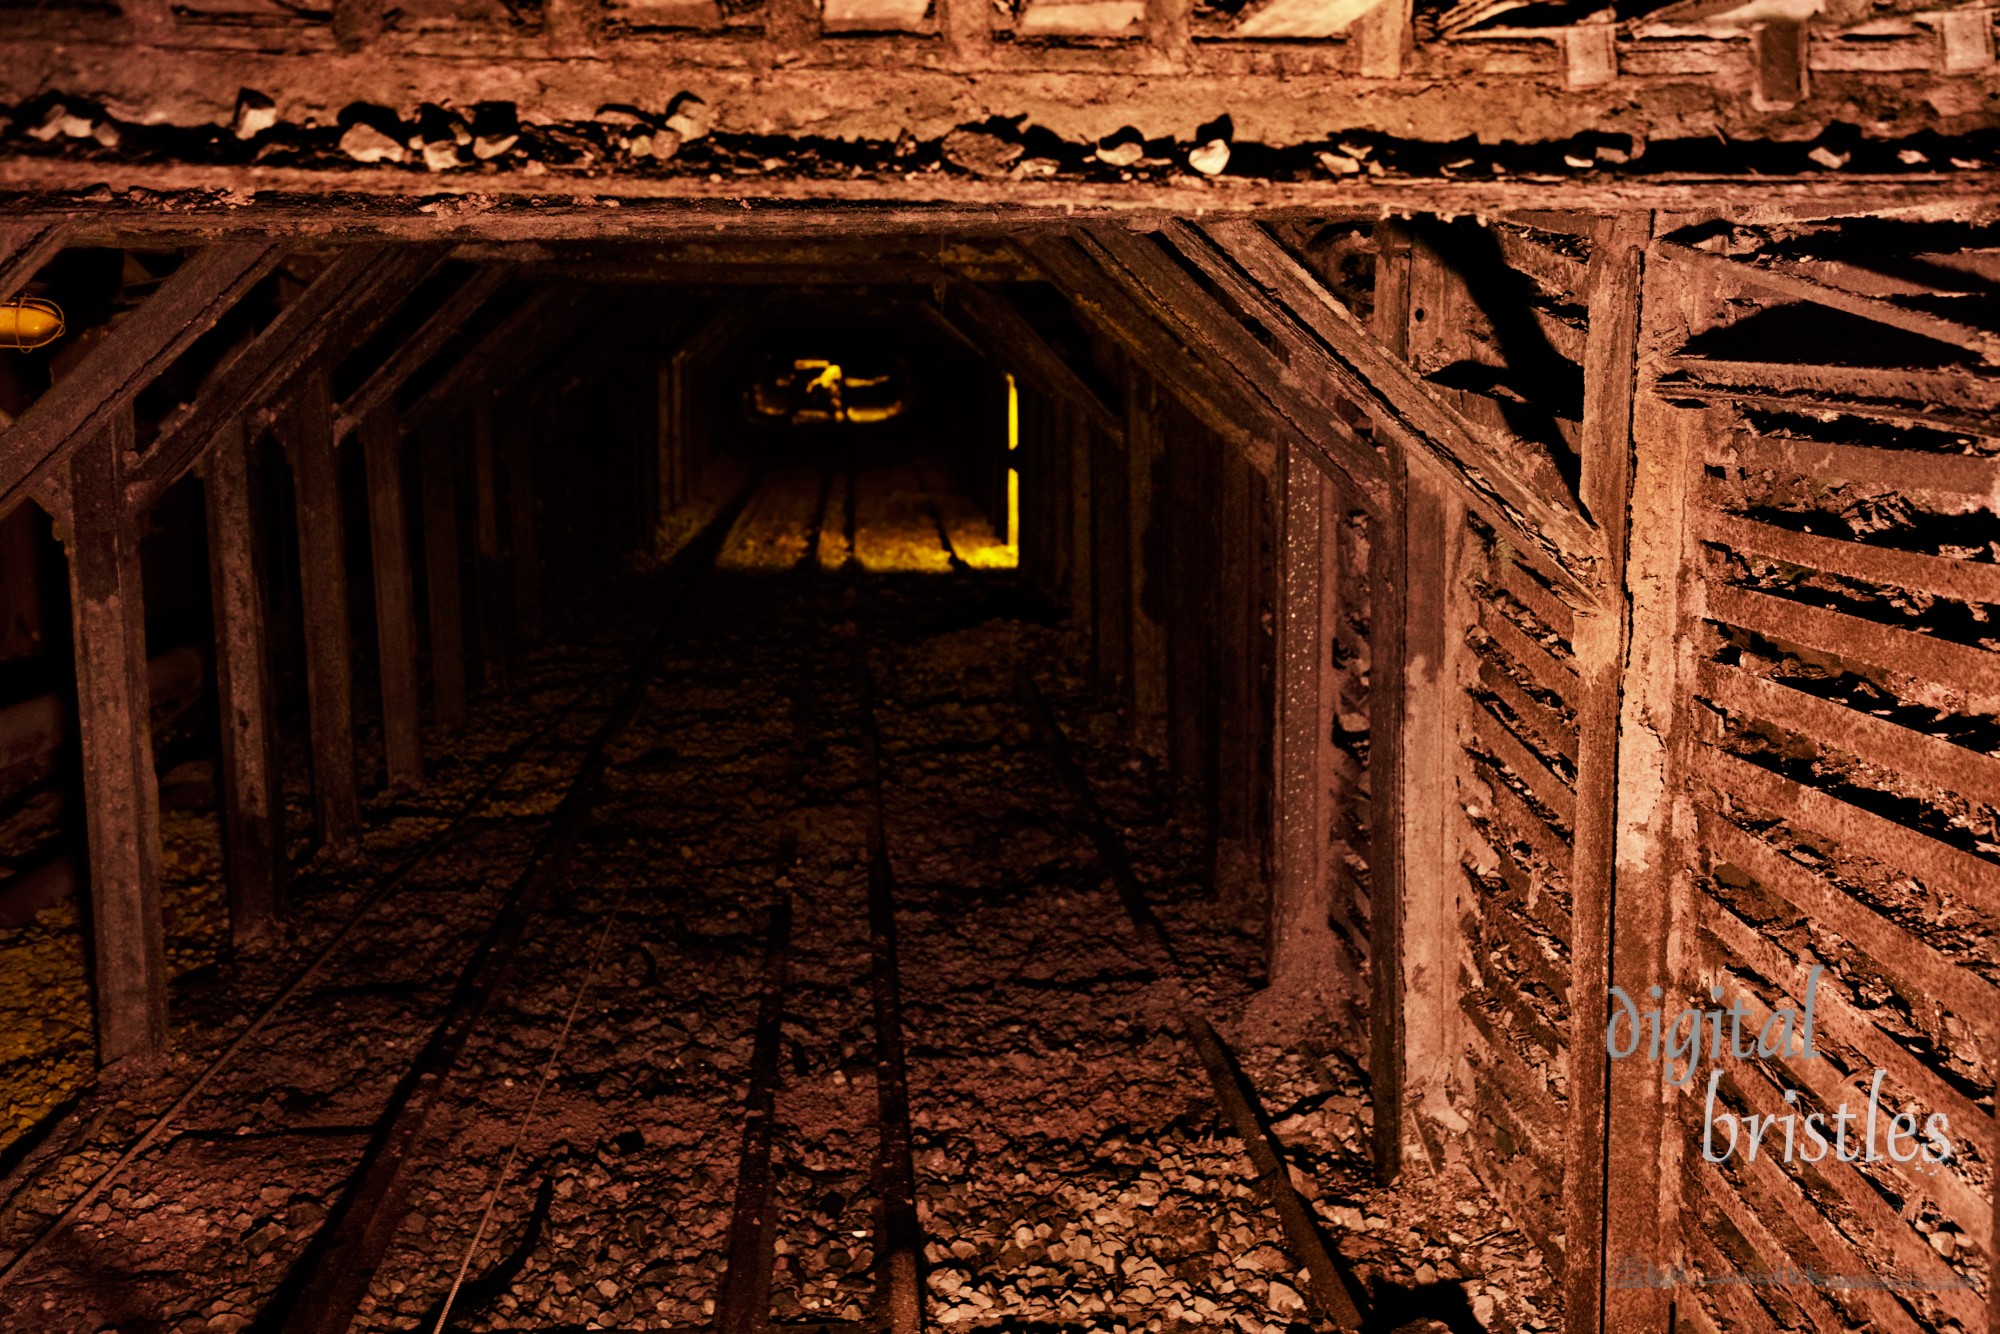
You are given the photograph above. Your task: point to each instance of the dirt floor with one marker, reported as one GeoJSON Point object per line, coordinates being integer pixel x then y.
{"type": "Point", "coordinates": [1073, 1171]}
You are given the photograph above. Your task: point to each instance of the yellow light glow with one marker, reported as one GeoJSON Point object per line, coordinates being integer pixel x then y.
{"type": "Point", "coordinates": [1014, 513]}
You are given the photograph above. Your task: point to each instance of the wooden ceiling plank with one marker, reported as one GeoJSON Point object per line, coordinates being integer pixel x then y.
{"type": "Point", "coordinates": [132, 352]}
{"type": "Point", "coordinates": [994, 318]}
{"type": "Point", "coordinates": [354, 296]}
{"type": "Point", "coordinates": [1982, 343]}
{"type": "Point", "coordinates": [416, 351]}
{"type": "Point", "coordinates": [1399, 401]}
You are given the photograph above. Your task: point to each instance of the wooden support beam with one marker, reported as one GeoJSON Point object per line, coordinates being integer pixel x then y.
{"type": "Point", "coordinates": [305, 428]}
{"type": "Point", "coordinates": [1312, 418]}
{"type": "Point", "coordinates": [1005, 332]}
{"type": "Point", "coordinates": [25, 246]}
{"type": "Point", "coordinates": [548, 318]}
{"type": "Point", "coordinates": [436, 468]}
{"type": "Point", "coordinates": [253, 858]}
{"type": "Point", "coordinates": [395, 602]}
{"type": "Point", "coordinates": [1389, 742]}
{"type": "Point", "coordinates": [415, 352]}
{"type": "Point", "coordinates": [1600, 640]}
{"type": "Point", "coordinates": [135, 350]}
{"type": "Point", "coordinates": [1981, 343]}
{"type": "Point", "coordinates": [121, 796]}
{"type": "Point", "coordinates": [517, 434]}
{"type": "Point", "coordinates": [1248, 262]}
{"type": "Point", "coordinates": [352, 298]}
{"type": "Point", "coordinates": [1310, 974]}
{"type": "Point", "coordinates": [1147, 532]}
{"type": "Point", "coordinates": [489, 575]}
{"type": "Point", "coordinates": [1221, 406]}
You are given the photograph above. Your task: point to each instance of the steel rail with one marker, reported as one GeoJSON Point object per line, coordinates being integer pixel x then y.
{"type": "Point", "coordinates": [325, 1288]}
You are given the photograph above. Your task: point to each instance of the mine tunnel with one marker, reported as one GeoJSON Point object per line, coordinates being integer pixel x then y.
{"type": "Point", "coordinates": [1071, 777]}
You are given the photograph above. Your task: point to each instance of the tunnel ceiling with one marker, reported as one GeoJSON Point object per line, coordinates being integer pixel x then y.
{"type": "Point", "coordinates": [441, 115]}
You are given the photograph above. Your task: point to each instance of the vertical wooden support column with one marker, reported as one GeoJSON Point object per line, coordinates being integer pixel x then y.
{"type": "Point", "coordinates": [1640, 460]}
{"type": "Point", "coordinates": [1078, 441]}
{"type": "Point", "coordinates": [1387, 618]}
{"type": "Point", "coordinates": [253, 860]}
{"type": "Point", "coordinates": [667, 396]}
{"type": "Point", "coordinates": [441, 576]}
{"type": "Point", "coordinates": [306, 428]}
{"type": "Point", "coordinates": [121, 797]}
{"type": "Point", "coordinates": [1111, 607]}
{"type": "Point", "coordinates": [1308, 976]}
{"type": "Point", "coordinates": [1145, 460]}
{"type": "Point", "coordinates": [488, 561]}
{"type": "Point", "coordinates": [395, 601]}
{"type": "Point", "coordinates": [517, 434]}
{"type": "Point", "coordinates": [1237, 872]}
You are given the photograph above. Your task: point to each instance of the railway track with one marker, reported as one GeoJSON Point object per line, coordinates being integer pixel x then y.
{"type": "Point", "coordinates": [673, 1088]}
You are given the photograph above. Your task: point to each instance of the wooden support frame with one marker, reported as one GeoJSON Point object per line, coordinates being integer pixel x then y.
{"type": "Point", "coordinates": [1221, 406]}
{"type": "Point", "coordinates": [120, 793]}
{"type": "Point", "coordinates": [1004, 331]}
{"type": "Point", "coordinates": [1396, 399]}
{"type": "Point", "coordinates": [79, 405]}
{"type": "Point", "coordinates": [516, 429]}
{"type": "Point", "coordinates": [1146, 463]}
{"type": "Point", "coordinates": [437, 469]}
{"type": "Point", "coordinates": [252, 804]}
{"type": "Point", "coordinates": [489, 575]}
{"type": "Point", "coordinates": [1600, 641]}
{"type": "Point", "coordinates": [351, 298]}
{"type": "Point", "coordinates": [414, 353]}
{"type": "Point", "coordinates": [395, 602]}
{"type": "Point", "coordinates": [306, 430]}
{"type": "Point", "coordinates": [1310, 974]}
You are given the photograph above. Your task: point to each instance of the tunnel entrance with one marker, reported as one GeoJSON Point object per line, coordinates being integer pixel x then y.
{"type": "Point", "coordinates": [1082, 776]}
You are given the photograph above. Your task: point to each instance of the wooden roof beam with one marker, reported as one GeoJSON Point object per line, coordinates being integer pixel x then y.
{"type": "Point", "coordinates": [1007, 333]}
{"type": "Point", "coordinates": [1224, 407]}
{"type": "Point", "coordinates": [130, 355]}
{"type": "Point", "coordinates": [1273, 374]}
{"type": "Point", "coordinates": [25, 246]}
{"type": "Point", "coordinates": [548, 317]}
{"type": "Point", "coordinates": [415, 352]}
{"type": "Point", "coordinates": [353, 297]}
{"type": "Point", "coordinates": [1244, 258]}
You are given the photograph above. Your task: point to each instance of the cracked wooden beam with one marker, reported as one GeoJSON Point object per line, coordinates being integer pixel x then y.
{"type": "Point", "coordinates": [131, 354]}
{"type": "Point", "coordinates": [1244, 258]}
{"type": "Point", "coordinates": [354, 296]}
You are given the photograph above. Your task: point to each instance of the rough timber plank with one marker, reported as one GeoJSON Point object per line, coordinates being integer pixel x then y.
{"type": "Point", "coordinates": [395, 601]}
{"type": "Point", "coordinates": [306, 428]}
{"type": "Point", "coordinates": [349, 300]}
{"type": "Point", "coordinates": [120, 794]}
{"type": "Point", "coordinates": [253, 862]}
{"type": "Point", "coordinates": [200, 292]}
{"type": "Point", "coordinates": [1852, 637]}
{"type": "Point", "coordinates": [1398, 400]}
{"type": "Point", "coordinates": [413, 353]}
{"type": "Point", "coordinates": [1009, 333]}
{"type": "Point", "coordinates": [25, 246]}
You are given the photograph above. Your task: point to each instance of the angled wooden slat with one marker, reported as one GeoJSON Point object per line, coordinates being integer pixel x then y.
{"type": "Point", "coordinates": [24, 248]}
{"type": "Point", "coordinates": [379, 389]}
{"type": "Point", "coordinates": [1980, 342]}
{"type": "Point", "coordinates": [547, 317]}
{"type": "Point", "coordinates": [1966, 580]}
{"type": "Point", "coordinates": [1397, 399]}
{"type": "Point", "coordinates": [353, 297]}
{"type": "Point", "coordinates": [1852, 637]}
{"type": "Point", "coordinates": [1008, 332]}
{"type": "Point", "coordinates": [1935, 394]}
{"type": "Point", "coordinates": [135, 350]}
